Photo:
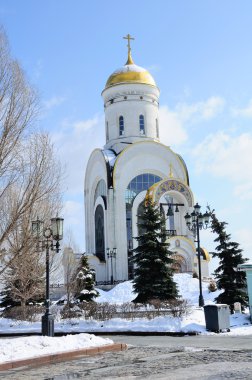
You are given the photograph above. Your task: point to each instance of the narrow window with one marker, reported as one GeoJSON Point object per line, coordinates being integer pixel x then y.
{"type": "Point", "coordinates": [157, 129]}
{"type": "Point", "coordinates": [107, 132]}
{"type": "Point", "coordinates": [141, 124]}
{"type": "Point", "coordinates": [121, 126]}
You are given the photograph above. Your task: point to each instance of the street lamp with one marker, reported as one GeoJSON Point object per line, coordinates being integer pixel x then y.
{"type": "Point", "coordinates": [49, 238]}
{"type": "Point", "coordinates": [111, 253]}
{"type": "Point", "coordinates": [197, 221]}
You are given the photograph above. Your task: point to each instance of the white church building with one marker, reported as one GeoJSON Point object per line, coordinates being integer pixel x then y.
{"type": "Point", "coordinates": [134, 164]}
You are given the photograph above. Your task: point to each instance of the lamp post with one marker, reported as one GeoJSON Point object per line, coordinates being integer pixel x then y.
{"type": "Point", "coordinates": [195, 222]}
{"type": "Point", "coordinates": [48, 239]}
{"type": "Point", "coordinates": [111, 253]}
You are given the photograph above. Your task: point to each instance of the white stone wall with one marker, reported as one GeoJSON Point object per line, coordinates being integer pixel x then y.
{"type": "Point", "coordinates": [130, 101]}
{"type": "Point", "coordinates": [95, 171]}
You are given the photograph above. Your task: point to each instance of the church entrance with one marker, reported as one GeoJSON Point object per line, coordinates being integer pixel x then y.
{"type": "Point", "coordinates": [179, 264]}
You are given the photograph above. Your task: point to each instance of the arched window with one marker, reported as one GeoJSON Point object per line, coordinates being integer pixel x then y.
{"type": "Point", "coordinates": [141, 124]}
{"type": "Point", "coordinates": [99, 233]}
{"type": "Point", "coordinates": [121, 126]}
{"type": "Point", "coordinates": [157, 129]}
{"type": "Point", "coordinates": [140, 183]}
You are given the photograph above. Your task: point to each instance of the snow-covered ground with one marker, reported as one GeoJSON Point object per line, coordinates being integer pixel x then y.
{"type": "Point", "coordinates": [194, 322]}
{"type": "Point", "coordinates": [34, 346]}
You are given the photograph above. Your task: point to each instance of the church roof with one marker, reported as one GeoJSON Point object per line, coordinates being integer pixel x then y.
{"type": "Point", "coordinates": [110, 158]}
{"type": "Point", "coordinates": [130, 72]}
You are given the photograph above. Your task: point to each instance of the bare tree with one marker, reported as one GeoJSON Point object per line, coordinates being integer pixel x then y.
{"type": "Point", "coordinates": [70, 264]}
{"type": "Point", "coordinates": [35, 193]}
{"type": "Point", "coordinates": [37, 196]}
{"type": "Point", "coordinates": [29, 172]}
{"type": "Point", "coordinates": [29, 179]}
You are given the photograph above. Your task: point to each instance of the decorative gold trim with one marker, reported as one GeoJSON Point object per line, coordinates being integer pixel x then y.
{"type": "Point", "coordinates": [171, 171]}
{"type": "Point", "coordinates": [143, 77]}
{"type": "Point", "coordinates": [155, 192]}
{"type": "Point", "coordinates": [208, 258]}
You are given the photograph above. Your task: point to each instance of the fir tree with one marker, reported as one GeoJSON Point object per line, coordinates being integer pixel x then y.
{"type": "Point", "coordinates": [228, 278]}
{"type": "Point", "coordinates": [153, 273]}
{"type": "Point", "coordinates": [84, 281]}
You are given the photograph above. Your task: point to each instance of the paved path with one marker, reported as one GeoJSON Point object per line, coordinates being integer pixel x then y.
{"type": "Point", "coordinates": [150, 358]}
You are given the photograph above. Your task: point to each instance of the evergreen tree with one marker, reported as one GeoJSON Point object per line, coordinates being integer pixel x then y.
{"type": "Point", "coordinates": [153, 273]}
{"type": "Point", "coordinates": [84, 281]}
{"type": "Point", "coordinates": [231, 281]}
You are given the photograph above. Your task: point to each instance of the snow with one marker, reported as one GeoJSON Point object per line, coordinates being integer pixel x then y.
{"type": "Point", "coordinates": [122, 293]}
{"type": "Point", "coordinates": [34, 346]}
{"type": "Point", "coordinates": [132, 67]}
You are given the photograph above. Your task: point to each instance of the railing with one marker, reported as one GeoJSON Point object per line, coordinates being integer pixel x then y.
{"type": "Point", "coordinates": [171, 232]}
{"type": "Point", "coordinates": [109, 282]}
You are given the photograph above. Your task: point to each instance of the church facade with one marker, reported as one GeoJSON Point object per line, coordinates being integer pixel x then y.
{"type": "Point", "coordinates": [133, 165]}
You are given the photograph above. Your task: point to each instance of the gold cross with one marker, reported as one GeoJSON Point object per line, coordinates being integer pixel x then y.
{"type": "Point", "coordinates": [129, 37]}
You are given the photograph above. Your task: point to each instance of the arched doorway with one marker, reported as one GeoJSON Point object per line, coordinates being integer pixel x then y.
{"type": "Point", "coordinates": [179, 264]}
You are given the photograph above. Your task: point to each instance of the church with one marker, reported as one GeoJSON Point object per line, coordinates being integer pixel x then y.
{"type": "Point", "coordinates": [133, 165]}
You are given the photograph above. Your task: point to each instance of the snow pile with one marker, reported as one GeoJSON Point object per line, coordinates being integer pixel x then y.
{"type": "Point", "coordinates": [193, 322]}
{"type": "Point", "coordinates": [188, 288]}
{"type": "Point", "coordinates": [34, 346]}
{"type": "Point", "coordinates": [120, 294]}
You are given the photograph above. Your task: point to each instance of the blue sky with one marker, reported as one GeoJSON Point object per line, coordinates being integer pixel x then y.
{"type": "Point", "coordinates": [199, 53]}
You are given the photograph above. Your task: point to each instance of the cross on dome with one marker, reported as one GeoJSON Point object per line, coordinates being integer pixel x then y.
{"type": "Point", "coordinates": [130, 60]}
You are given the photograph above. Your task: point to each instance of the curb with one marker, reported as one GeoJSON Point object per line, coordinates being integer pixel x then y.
{"type": "Point", "coordinates": [101, 333]}
{"type": "Point", "coordinates": [62, 356]}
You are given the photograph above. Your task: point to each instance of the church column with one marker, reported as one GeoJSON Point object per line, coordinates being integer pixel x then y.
{"type": "Point", "coordinates": [110, 232]}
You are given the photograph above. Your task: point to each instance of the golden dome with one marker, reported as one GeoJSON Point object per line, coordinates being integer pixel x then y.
{"type": "Point", "coordinates": [130, 73]}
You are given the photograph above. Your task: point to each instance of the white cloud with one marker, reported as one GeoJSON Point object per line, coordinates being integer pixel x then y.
{"type": "Point", "coordinates": [244, 191]}
{"type": "Point", "coordinates": [204, 110]}
{"type": "Point", "coordinates": [74, 212]}
{"type": "Point", "coordinates": [84, 125]}
{"type": "Point", "coordinates": [243, 237]}
{"type": "Point", "coordinates": [53, 102]}
{"type": "Point", "coordinates": [229, 157]}
{"type": "Point", "coordinates": [244, 112]}
{"type": "Point", "coordinates": [74, 144]}
{"type": "Point", "coordinates": [172, 131]}
{"type": "Point", "coordinates": [173, 123]}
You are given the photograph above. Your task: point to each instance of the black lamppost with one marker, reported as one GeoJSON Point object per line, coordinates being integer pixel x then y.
{"type": "Point", "coordinates": [48, 239]}
{"type": "Point", "coordinates": [195, 222]}
{"type": "Point", "coordinates": [111, 253]}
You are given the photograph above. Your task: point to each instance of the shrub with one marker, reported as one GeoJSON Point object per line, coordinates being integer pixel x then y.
{"type": "Point", "coordinates": [31, 313]}
{"type": "Point", "coordinates": [212, 287]}
{"type": "Point", "coordinates": [178, 308]}
{"type": "Point", "coordinates": [70, 312]}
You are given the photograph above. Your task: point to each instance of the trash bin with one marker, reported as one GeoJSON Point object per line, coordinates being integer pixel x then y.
{"type": "Point", "coordinates": [217, 317]}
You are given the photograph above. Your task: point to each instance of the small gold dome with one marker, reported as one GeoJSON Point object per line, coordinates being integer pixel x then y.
{"type": "Point", "coordinates": [130, 73]}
